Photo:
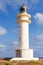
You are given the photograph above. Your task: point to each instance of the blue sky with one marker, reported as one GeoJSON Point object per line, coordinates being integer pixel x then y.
{"type": "Point", "coordinates": [9, 28]}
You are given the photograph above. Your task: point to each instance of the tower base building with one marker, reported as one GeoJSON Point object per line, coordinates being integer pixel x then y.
{"type": "Point", "coordinates": [24, 53]}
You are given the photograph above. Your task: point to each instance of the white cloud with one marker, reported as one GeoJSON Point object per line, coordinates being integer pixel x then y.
{"type": "Point", "coordinates": [36, 43]}
{"type": "Point", "coordinates": [39, 37]}
{"type": "Point", "coordinates": [3, 5]}
{"type": "Point", "coordinates": [39, 18]}
{"type": "Point", "coordinates": [12, 3]}
{"type": "Point", "coordinates": [34, 1]}
{"type": "Point", "coordinates": [15, 31]}
{"type": "Point", "coordinates": [8, 48]}
{"type": "Point", "coordinates": [3, 31]}
{"type": "Point", "coordinates": [2, 46]}
{"type": "Point", "coordinates": [16, 3]}
{"type": "Point", "coordinates": [11, 45]}
{"type": "Point", "coordinates": [15, 44]}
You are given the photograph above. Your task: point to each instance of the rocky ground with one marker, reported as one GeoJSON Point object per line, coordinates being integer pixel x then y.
{"type": "Point", "coordinates": [39, 62]}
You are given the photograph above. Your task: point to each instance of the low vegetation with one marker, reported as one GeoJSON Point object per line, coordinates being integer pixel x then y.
{"type": "Point", "coordinates": [32, 62]}
{"type": "Point", "coordinates": [8, 63]}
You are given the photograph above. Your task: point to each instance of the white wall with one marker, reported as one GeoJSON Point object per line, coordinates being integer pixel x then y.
{"type": "Point", "coordinates": [27, 53]}
{"type": "Point", "coordinates": [24, 35]}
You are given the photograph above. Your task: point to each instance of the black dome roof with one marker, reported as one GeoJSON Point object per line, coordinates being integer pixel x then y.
{"type": "Point", "coordinates": [23, 9]}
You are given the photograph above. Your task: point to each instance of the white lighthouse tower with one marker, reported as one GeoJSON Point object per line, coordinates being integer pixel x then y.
{"type": "Point", "coordinates": [23, 21]}
{"type": "Point", "coordinates": [24, 52]}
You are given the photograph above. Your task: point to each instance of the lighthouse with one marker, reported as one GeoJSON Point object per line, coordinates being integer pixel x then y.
{"type": "Point", "coordinates": [23, 21]}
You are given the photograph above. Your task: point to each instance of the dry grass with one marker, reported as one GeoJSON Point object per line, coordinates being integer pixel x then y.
{"type": "Point", "coordinates": [39, 62]}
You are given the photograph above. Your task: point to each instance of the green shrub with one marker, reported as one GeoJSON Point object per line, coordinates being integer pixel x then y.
{"type": "Point", "coordinates": [8, 64]}
{"type": "Point", "coordinates": [34, 62]}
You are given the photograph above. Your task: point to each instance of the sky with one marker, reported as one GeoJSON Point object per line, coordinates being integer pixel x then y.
{"type": "Point", "coordinates": [9, 9]}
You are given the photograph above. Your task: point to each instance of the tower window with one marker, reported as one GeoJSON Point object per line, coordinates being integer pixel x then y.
{"type": "Point", "coordinates": [19, 37]}
{"type": "Point", "coordinates": [18, 53]}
